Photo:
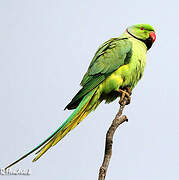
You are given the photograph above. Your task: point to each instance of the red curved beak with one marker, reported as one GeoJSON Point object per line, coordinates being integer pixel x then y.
{"type": "Point", "coordinates": [153, 36]}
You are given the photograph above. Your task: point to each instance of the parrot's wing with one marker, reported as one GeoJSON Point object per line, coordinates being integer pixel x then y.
{"type": "Point", "coordinates": [108, 58]}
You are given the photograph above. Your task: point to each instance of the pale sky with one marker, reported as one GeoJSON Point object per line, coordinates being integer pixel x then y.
{"type": "Point", "coordinates": [45, 49]}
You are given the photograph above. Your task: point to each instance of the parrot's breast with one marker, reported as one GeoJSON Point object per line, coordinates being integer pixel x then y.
{"type": "Point", "coordinates": [137, 63]}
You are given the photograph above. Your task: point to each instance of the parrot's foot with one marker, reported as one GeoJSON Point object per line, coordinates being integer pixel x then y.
{"type": "Point", "coordinates": [126, 93]}
{"type": "Point", "coordinates": [128, 89]}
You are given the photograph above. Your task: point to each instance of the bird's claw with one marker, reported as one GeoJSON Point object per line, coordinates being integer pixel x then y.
{"type": "Point", "coordinates": [126, 93]}
{"type": "Point", "coordinates": [128, 90]}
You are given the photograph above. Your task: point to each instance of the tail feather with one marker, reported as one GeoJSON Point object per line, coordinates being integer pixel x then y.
{"type": "Point", "coordinates": [71, 125]}
{"type": "Point", "coordinates": [43, 150]}
{"type": "Point", "coordinates": [89, 103]}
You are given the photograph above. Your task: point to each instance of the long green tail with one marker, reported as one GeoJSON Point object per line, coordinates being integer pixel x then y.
{"type": "Point", "coordinates": [89, 103]}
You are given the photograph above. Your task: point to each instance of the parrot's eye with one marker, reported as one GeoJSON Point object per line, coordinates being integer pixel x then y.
{"type": "Point", "coordinates": [142, 28]}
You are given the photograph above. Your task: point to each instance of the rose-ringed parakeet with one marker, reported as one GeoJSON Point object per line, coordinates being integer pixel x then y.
{"type": "Point", "coordinates": [118, 64]}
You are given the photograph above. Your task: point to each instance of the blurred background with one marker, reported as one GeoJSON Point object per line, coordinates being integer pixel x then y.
{"type": "Point", "coordinates": [45, 49]}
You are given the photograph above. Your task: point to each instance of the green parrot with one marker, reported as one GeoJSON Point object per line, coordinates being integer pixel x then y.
{"type": "Point", "coordinates": [116, 68]}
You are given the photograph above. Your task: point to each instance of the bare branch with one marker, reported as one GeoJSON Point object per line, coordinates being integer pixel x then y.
{"type": "Point", "coordinates": [109, 138]}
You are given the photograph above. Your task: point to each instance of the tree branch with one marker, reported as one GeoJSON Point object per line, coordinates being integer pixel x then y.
{"type": "Point", "coordinates": [109, 138]}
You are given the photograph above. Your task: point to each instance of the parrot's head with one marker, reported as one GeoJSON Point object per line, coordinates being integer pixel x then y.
{"type": "Point", "coordinates": [143, 32]}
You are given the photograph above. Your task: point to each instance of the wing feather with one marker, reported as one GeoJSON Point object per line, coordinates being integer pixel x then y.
{"type": "Point", "coordinates": [108, 58]}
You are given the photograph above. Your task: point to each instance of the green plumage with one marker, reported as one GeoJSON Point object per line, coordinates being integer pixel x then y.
{"type": "Point", "coordinates": [109, 57]}
{"type": "Point", "coordinates": [118, 63]}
